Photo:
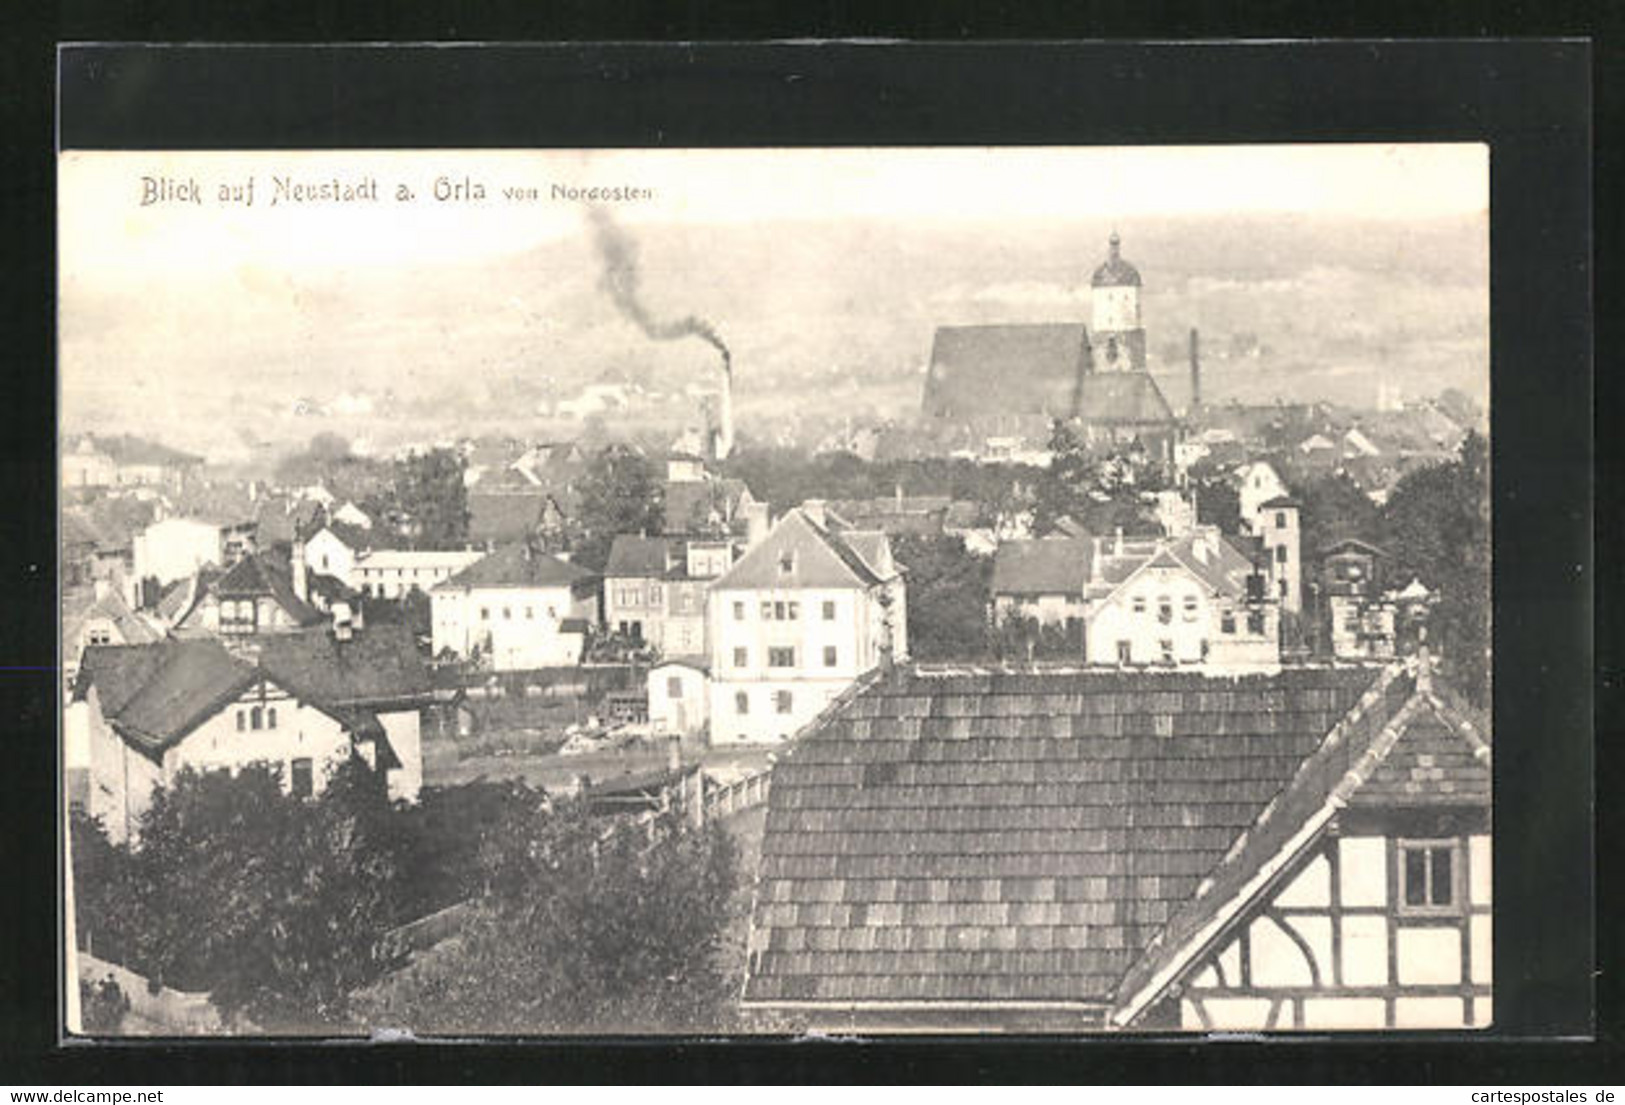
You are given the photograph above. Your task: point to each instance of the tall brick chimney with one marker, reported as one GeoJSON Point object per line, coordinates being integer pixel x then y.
{"type": "Point", "coordinates": [1196, 372]}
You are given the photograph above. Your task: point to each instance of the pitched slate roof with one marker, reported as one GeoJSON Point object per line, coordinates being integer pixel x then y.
{"type": "Point", "coordinates": [821, 557]}
{"type": "Point", "coordinates": [1042, 566]}
{"type": "Point", "coordinates": [378, 665]}
{"type": "Point", "coordinates": [983, 370]}
{"type": "Point", "coordinates": [1403, 744]}
{"type": "Point", "coordinates": [634, 557]}
{"type": "Point", "coordinates": [1015, 834]}
{"type": "Point", "coordinates": [82, 606]}
{"type": "Point", "coordinates": [154, 694]}
{"type": "Point", "coordinates": [261, 574]}
{"type": "Point", "coordinates": [517, 566]}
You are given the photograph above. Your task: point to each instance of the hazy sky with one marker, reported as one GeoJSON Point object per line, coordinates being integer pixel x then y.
{"type": "Point", "coordinates": [108, 237]}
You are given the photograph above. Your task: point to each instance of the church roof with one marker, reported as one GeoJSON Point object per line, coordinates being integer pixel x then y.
{"type": "Point", "coordinates": [1116, 272]}
{"type": "Point", "coordinates": [1122, 397]}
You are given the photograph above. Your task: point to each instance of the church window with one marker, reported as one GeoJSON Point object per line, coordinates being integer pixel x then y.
{"type": "Point", "coordinates": [256, 718]}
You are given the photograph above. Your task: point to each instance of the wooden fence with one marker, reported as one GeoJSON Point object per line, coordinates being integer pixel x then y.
{"type": "Point", "coordinates": [738, 796]}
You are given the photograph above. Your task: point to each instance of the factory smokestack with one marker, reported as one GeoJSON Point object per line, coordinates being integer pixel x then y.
{"type": "Point", "coordinates": [1196, 372]}
{"type": "Point", "coordinates": [622, 282]}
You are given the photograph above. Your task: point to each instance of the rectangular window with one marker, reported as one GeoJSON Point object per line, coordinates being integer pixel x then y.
{"type": "Point", "coordinates": [1280, 520]}
{"type": "Point", "coordinates": [781, 657]}
{"type": "Point", "coordinates": [1227, 622]}
{"type": "Point", "coordinates": [1280, 554]}
{"type": "Point", "coordinates": [787, 564]}
{"type": "Point", "coordinates": [1255, 622]}
{"type": "Point", "coordinates": [767, 611]}
{"type": "Point", "coordinates": [1190, 608]}
{"type": "Point", "coordinates": [741, 657]}
{"type": "Point", "coordinates": [1167, 649]}
{"type": "Point", "coordinates": [530, 613]}
{"type": "Point", "coordinates": [795, 611]}
{"type": "Point", "coordinates": [270, 717]}
{"type": "Point", "coordinates": [741, 703]}
{"type": "Point", "coordinates": [1125, 652]}
{"type": "Point", "coordinates": [654, 594]}
{"type": "Point", "coordinates": [485, 613]}
{"type": "Point", "coordinates": [1165, 610]}
{"type": "Point", "coordinates": [674, 687]}
{"type": "Point", "coordinates": [303, 778]}
{"type": "Point", "coordinates": [1139, 604]}
{"type": "Point", "coordinates": [829, 611]}
{"type": "Point", "coordinates": [739, 611]}
{"type": "Point", "coordinates": [1427, 871]}
{"type": "Point", "coordinates": [101, 635]}
{"type": "Point", "coordinates": [782, 701]}
{"type": "Point", "coordinates": [242, 721]}
{"type": "Point", "coordinates": [507, 613]}
{"type": "Point", "coordinates": [256, 718]}
{"type": "Point", "coordinates": [829, 656]}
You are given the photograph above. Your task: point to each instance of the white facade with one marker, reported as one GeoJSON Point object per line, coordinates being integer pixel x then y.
{"type": "Point", "coordinates": [176, 548]}
{"type": "Point", "coordinates": [779, 657]}
{"type": "Point", "coordinates": [1345, 946]}
{"type": "Point", "coordinates": [679, 698]}
{"type": "Point", "coordinates": [352, 515]}
{"type": "Point", "coordinates": [1256, 484]}
{"type": "Point", "coordinates": [326, 554]}
{"type": "Point", "coordinates": [391, 573]}
{"type": "Point", "coordinates": [514, 628]}
{"type": "Point", "coordinates": [1278, 526]}
{"type": "Point", "coordinates": [1165, 615]}
{"type": "Point", "coordinates": [264, 724]}
{"type": "Point", "coordinates": [1116, 308]}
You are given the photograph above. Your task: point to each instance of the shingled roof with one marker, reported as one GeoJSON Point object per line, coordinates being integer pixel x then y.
{"type": "Point", "coordinates": [1123, 398]}
{"type": "Point", "coordinates": [819, 556]}
{"type": "Point", "coordinates": [1015, 836]}
{"type": "Point", "coordinates": [518, 566]}
{"type": "Point", "coordinates": [1042, 566]}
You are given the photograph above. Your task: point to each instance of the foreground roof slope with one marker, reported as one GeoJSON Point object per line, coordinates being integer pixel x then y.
{"type": "Point", "coordinates": [1015, 835]}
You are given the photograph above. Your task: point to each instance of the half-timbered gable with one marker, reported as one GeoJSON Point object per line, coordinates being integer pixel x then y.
{"type": "Point", "coordinates": [1074, 849]}
{"type": "Point", "coordinates": [1360, 899]}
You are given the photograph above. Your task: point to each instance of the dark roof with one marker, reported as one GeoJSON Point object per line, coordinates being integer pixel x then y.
{"type": "Point", "coordinates": [330, 588]}
{"type": "Point", "coordinates": [1123, 398]}
{"type": "Point", "coordinates": [518, 566]}
{"type": "Point", "coordinates": [1337, 544]}
{"type": "Point", "coordinates": [978, 371]}
{"type": "Point", "coordinates": [690, 504]}
{"type": "Point", "coordinates": [154, 694]}
{"type": "Point", "coordinates": [378, 665]}
{"type": "Point", "coordinates": [1280, 501]}
{"type": "Point", "coordinates": [1402, 745]}
{"type": "Point", "coordinates": [261, 574]}
{"type": "Point", "coordinates": [1044, 566]}
{"type": "Point", "coordinates": [634, 557]}
{"type": "Point", "coordinates": [1116, 271]}
{"type": "Point", "coordinates": [1015, 834]}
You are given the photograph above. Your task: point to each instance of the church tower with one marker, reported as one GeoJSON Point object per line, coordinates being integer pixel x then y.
{"type": "Point", "coordinates": [1117, 340]}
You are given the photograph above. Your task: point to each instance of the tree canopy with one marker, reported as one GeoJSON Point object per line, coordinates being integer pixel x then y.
{"type": "Point", "coordinates": [427, 496]}
{"type": "Point", "coordinates": [947, 597]}
{"type": "Point", "coordinates": [620, 492]}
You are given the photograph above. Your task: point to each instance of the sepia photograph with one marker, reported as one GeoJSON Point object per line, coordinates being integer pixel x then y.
{"type": "Point", "coordinates": [788, 591]}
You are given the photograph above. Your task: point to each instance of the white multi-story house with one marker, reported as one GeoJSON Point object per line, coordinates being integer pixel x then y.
{"type": "Point", "coordinates": [391, 573]}
{"type": "Point", "coordinates": [175, 548]}
{"type": "Point", "coordinates": [796, 621]}
{"type": "Point", "coordinates": [302, 702]}
{"type": "Point", "coordinates": [1256, 483]}
{"type": "Point", "coordinates": [334, 549]}
{"type": "Point", "coordinates": [516, 609]}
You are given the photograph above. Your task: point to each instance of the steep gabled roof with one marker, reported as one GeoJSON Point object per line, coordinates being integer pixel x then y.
{"type": "Point", "coordinates": [503, 516]}
{"type": "Point", "coordinates": [155, 694]}
{"type": "Point", "coordinates": [517, 566]}
{"type": "Point", "coordinates": [379, 664]}
{"type": "Point", "coordinates": [1015, 835]}
{"type": "Point", "coordinates": [1402, 745]}
{"type": "Point", "coordinates": [259, 574]}
{"type": "Point", "coordinates": [819, 558]}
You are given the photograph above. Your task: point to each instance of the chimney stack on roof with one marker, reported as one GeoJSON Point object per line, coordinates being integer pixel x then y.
{"type": "Point", "coordinates": [296, 568]}
{"type": "Point", "coordinates": [1117, 542]}
{"type": "Point", "coordinates": [1196, 372]}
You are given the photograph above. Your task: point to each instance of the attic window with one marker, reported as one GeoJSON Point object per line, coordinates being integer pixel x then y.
{"type": "Point", "coordinates": [787, 563]}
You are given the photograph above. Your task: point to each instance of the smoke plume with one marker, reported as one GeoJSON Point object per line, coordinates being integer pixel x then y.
{"type": "Point", "coordinates": [621, 281]}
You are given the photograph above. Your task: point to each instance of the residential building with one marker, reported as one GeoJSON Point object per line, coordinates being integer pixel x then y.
{"type": "Point", "coordinates": [1359, 618]}
{"type": "Point", "coordinates": [175, 548]}
{"type": "Point", "coordinates": [1070, 850]}
{"type": "Point", "coordinates": [796, 620]}
{"type": "Point", "coordinates": [303, 702]}
{"type": "Point", "coordinates": [654, 590]}
{"type": "Point", "coordinates": [102, 460]}
{"type": "Point", "coordinates": [258, 595]}
{"type": "Point", "coordinates": [1256, 483]}
{"type": "Point", "coordinates": [1276, 526]}
{"type": "Point", "coordinates": [1194, 600]}
{"type": "Point", "coordinates": [515, 609]}
{"type": "Point", "coordinates": [334, 549]}
{"type": "Point", "coordinates": [679, 697]}
{"type": "Point", "coordinates": [392, 573]}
